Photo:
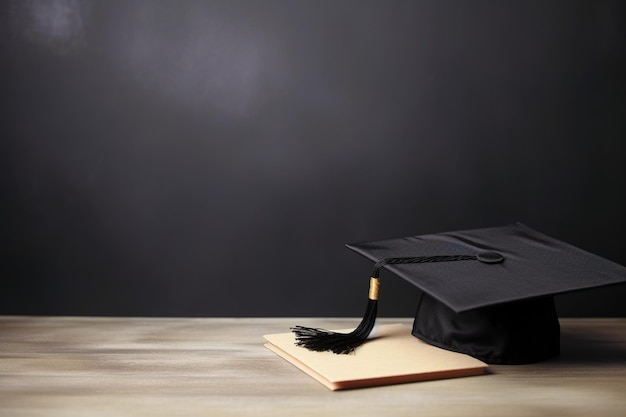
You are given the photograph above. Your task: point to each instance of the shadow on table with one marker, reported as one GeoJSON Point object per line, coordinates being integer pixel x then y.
{"type": "Point", "coordinates": [596, 346]}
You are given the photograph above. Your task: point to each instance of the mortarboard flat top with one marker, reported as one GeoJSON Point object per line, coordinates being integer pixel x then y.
{"type": "Point", "coordinates": [534, 265]}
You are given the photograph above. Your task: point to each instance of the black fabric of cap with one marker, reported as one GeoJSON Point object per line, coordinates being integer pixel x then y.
{"type": "Point", "coordinates": [496, 303]}
{"type": "Point", "coordinates": [532, 265]}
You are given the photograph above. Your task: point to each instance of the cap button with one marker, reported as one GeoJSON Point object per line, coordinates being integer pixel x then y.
{"type": "Point", "coordinates": [490, 257]}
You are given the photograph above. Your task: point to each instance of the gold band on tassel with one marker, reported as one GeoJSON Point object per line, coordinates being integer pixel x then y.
{"type": "Point", "coordinates": [374, 285]}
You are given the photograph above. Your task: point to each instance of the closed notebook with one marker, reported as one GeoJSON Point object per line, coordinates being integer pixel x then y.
{"type": "Point", "coordinates": [391, 356]}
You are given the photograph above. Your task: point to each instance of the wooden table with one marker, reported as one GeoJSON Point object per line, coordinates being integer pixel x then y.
{"type": "Point", "coordinates": [85, 366]}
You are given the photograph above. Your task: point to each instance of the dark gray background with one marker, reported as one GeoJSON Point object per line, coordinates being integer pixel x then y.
{"type": "Point", "coordinates": [212, 157]}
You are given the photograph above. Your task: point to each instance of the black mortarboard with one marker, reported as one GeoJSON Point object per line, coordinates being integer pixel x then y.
{"type": "Point", "coordinates": [485, 292]}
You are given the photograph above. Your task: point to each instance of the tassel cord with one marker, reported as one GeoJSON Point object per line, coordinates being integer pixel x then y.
{"type": "Point", "coordinates": [343, 343]}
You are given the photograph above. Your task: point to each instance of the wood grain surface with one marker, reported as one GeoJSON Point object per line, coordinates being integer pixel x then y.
{"type": "Point", "coordinates": [86, 366]}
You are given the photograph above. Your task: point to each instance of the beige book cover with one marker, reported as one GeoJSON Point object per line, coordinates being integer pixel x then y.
{"type": "Point", "coordinates": [391, 356]}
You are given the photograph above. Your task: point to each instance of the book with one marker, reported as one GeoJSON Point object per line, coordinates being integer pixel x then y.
{"type": "Point", "coordinates": [392, 356]}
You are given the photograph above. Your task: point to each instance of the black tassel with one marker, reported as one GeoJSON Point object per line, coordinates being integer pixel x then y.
{"type": "Point", "coordinates": [321, 340]}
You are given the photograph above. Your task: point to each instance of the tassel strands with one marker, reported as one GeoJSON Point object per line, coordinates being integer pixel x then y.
{"type": "Point", "coordinates": [321, 340]}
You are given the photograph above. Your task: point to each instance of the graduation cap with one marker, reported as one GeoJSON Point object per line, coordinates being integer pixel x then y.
{"type": "Point", "coordinates": [484, 292]}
